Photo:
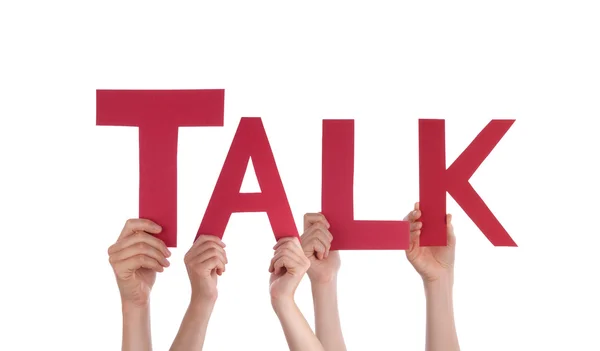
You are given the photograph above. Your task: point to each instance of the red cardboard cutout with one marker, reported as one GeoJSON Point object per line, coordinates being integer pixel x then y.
{"type": "Point", "coordinates": [159, 114]}
{"type": "Point", "coordinates": [435, 181]}
{"type": "Point", "coordinates": [250, 140]}
{"type": "Point", "coordinates": [338, 197]}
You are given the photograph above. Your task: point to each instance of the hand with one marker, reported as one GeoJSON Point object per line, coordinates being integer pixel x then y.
{"type": "Point", "coordinates": [205, 260]}
{"type": "Point", "coordinates": [431, 262]}
{"type": "Point", "coordinates": [287, 268]}
{"type": "Point", "coordinates": [316, 242]}
{"type": "Point", "coordinates": [135, 258]}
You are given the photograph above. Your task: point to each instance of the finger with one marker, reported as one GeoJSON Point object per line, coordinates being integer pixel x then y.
{"type": "Point", "coordinates": [450, 230]}
{"type": "Point", "coordinates": [317, 241]}
{"type": "Point", "coordinates": [139, 261]}
{"type": "Point", "coordinates": [289, 261]}
{"type": "Point", "coordinates": [139, 249]}
{"type": "Point", "coordinates": [286, 241]}
{"type": "Point", "coordinates": [325, 236]}
{"type": "Point", "coordinates": [220, 269]}
{"type": "Point", "coordinates": [415, 226]}
{"type": "Point", "coordinates": [311, 218]}
{"type": "Point", "coordinates": [198, 250]}
{"type": "Point", "coordinates": [202, 238]}
{"type": "Point", "coordinates": [292, 246]}
{"type": "Point", "coordinates": [287, 250]}
{"type": "Point", "coordinates": [320, 227]}
{"type": "Point", "coordinates": [139, 225]}
{"type": "Point", "coordinates": [137, 238]}
{"type": "Point", "coordinates": [208, 254]}
{"type": "Point", "coordinates": [414, 240]}
{"type": "Point", "coordinates": [414, 215]}
{"type": "Point", "coordinates": [211, 264]}
{"type": "Point", "coordinates": [316, 246]}
{"type": "Point", "coordinates": [282, 251]}
{"type": "Point", "coordinates": [278, 265]}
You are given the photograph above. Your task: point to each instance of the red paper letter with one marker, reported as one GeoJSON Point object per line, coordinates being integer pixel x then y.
{"type": "Point", "coordinates": [337, 199]}
{"type": "Point", "coordinates": [435, 181]}
{"type": "Point", "coordinates": [158, 114]}
{"type": "Point", "coordinates": [250, 140]}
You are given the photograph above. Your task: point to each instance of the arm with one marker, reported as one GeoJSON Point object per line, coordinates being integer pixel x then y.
{"type": "Point", "coordinates": [298, 333]}
{"type": "Point", "coordinates": [136, 328]}
{"type": "Point", "coordinates": [192, 332]}
{"type": "Point", "coordinates": [205, 261]}
{"type": "Point", "coordinates": [136, 257]}
{"type": "Point", "coordinates": [288, 266]}
{"type": "Point", "coordinates": [435, 264]}
{"type": "Point", "coordinates": [327, 317]}
{"type": "Point", "coordinates": [324, 266]}
{"type": "Point", "coordinates": [441, 330]}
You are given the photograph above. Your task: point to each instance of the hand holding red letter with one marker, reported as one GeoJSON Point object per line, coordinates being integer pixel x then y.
{"type": "Point", "coordinates": [316, 244]}
{"type": "Point", "coordinates": [431, 262]}
{"type": "Point", "coordinates": [287, 268]}
{"type": "Point", "coordinates": [135, 258]}
{"type": "Point", "coordinates": [205, 260]}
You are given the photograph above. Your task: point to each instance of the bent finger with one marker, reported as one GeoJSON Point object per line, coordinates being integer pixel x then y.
{"type": "Point", "coordinates": [139, 225]}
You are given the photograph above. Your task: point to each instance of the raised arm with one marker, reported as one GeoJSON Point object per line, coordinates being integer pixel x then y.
{"type": "Point", "coordinates": [135, 258]}
{"type": "Point", "coordinates": [288, 266]}
{"type": "Point", "coordinates": [435, 264]}
{"type": "Point", "coordinates": [204, 261]}
{"type": "Point", "coordinates": [324, 266]}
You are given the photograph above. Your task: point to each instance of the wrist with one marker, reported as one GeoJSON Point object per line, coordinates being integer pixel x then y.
{"type": "Point", "coordinates": [135, 314]}
{"type": "Point", "coordinates": [128, 306]}
{"type": "Point", "coordinates": [323, 281]}
{"type": "Point", "coordinates": [442, 283]}
{"type": "Point", "coordinates": [324, 285]}
{"type": "Point", "coordinates": [282, 303]}
{"type": "Point", "coordinates": [203, 301]}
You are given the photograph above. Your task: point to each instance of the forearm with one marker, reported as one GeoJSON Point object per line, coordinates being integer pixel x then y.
{"type": "Point", "coordinates": [441, 329]}
{"type": "Point", "coordinates": [136, 328]}
{"type": "Point", "coordinates": [298, 333]}
{"type": "Point", "coordinates": [192, 332]}
{"type": "Point", "coordinates": [327, 318]}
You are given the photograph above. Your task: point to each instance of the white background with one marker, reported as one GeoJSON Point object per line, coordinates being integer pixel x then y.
{"type": "Point", "coordinates": [67, 186]}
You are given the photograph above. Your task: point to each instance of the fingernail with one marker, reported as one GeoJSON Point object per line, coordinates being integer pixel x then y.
{"type": "Point", "coordinates": [168, 253]}
{"type": "Point", "coordinates": [167, 263]}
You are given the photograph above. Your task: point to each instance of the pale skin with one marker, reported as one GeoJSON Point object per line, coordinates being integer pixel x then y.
{"type": "Point", "coordinates": [435, 264]}
{"type": "Point", "coordinates": [288, 266]}
{"type": "Point", "coordinates": [205, 262]}
{"type": "Point", "coordinates": [324, 266]}
{"type": "Point", "coordinates": [136, 257]}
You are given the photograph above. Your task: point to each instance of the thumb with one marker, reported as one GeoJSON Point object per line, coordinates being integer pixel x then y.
{"type": "Point", "coordinates": [450, 230]}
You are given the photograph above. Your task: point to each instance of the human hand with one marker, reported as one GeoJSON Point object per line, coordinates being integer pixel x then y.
{"type": "Point", "coordinates": [205, 260]}
{"type": "Point", "coordinates": [135, 258]}
{"type": "Point", "coordinates": [316, 242]}
{"type": "Point", "coordinates": [431, 262]}
{"type": "Point", "coordinates": [288, 266]}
